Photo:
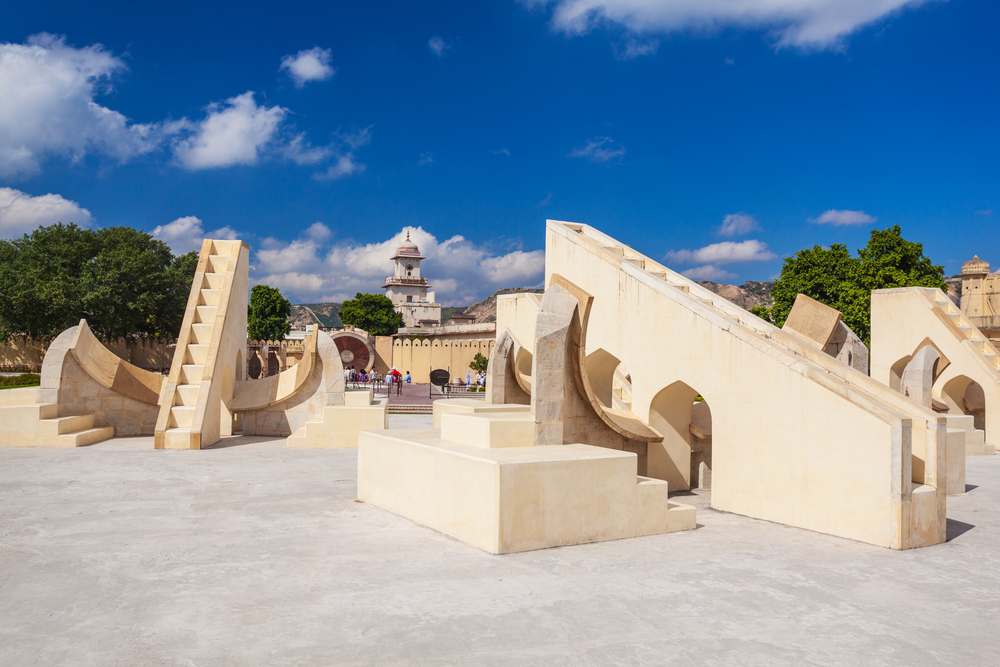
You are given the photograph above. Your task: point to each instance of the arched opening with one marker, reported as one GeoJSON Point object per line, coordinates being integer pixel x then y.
{"type": "Point", "coordinates": [522, 369]}
{"type": "Point", "coordinates": [601, 366]}
{"type": "Point", "coordinates": [965, 396]}
{"type": "Point", "coordinates": [684, 418]}
{"type": "Point", "coordinates": [225, 416]}
{"type": "Point", "coordinates": [238, 374]}
{"type": "Point", "coordinates": [896, 373]}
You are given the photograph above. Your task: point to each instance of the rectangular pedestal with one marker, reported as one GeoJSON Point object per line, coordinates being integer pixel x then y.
{"type": "Point", "coordinates": [514, 499]}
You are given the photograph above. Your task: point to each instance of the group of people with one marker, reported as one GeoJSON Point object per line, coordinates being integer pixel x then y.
{"type": "Point", "coordinates": [361, 376]}
{"type": "Point", "coordinates": [479, 380]}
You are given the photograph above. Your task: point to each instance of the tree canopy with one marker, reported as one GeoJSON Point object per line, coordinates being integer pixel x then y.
{"type": "Point", "coordinates": [372, 312]}
{"type": "Point", "coordinates": [832, 276]}
{"type": "Point", "coordinates": [121, 280]}
{"type": "Point", "coordinates": [267, 314]}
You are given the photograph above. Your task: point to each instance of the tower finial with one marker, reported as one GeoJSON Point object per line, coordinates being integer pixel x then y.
{"type": "Point", "coordinates": [407, 233]}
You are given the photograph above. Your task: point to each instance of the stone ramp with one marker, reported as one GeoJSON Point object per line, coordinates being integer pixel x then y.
{"type": "Point", "coordinates": [966, 377]}
{"type": "Point", "coordinates": [798, 436]}
{"type": "Point", "coordinates": [208, 358]}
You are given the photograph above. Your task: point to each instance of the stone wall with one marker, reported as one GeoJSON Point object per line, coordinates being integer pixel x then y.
{"type": "Point", "coordinates": [419, 357]}
{"type": "Point", "coordinates": [147, 353]}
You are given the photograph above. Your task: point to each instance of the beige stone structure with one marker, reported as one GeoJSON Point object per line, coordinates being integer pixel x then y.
{"type": "Point", "coordinates": [88, 393]}
{"type": "Point", "coordinates": [210, 347]}
{"type": "Point", "coordinates": [786, 432]}
{"type": "Point", "coordinates": [923, 344]}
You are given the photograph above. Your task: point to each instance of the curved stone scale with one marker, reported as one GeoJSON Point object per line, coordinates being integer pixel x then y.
{"type": "Point", "coordinates": [113, 372]}
{"type": "Point", "coordinates": [258, 394]}
{"type": "Point", "coordinates": [624, 423]}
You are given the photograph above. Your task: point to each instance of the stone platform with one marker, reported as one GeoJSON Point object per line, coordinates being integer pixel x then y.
{"type": "Point", "coordinates": [479, 479]}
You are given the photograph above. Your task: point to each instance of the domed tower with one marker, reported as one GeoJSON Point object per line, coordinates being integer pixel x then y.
{"type": "Point", "coordinates": [974, 297]}
{"type": "Point", "coordinates": [409, 291]}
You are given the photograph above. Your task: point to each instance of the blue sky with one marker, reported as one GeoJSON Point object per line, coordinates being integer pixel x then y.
{"type": "Point", "coordinates": [721, 135]}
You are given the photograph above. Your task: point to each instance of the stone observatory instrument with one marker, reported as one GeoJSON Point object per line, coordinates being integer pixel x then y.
{"type": "Point", "coordinates": [355, 350]}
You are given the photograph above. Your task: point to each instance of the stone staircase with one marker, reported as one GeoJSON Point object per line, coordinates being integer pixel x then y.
{"type": "Point", "coordinates": [186, 398]}
{"type": "Point", "coordinates": [38, 424]}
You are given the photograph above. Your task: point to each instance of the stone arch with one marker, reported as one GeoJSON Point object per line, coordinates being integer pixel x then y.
{"type": "Point", "coordinates": [896, 373]}
{"type": "Point", "coordinates": [965, 396]}
{"type": "Point", "coordinates": [672, 413]}
{"type": "Point", "coordinates": [601, 365]}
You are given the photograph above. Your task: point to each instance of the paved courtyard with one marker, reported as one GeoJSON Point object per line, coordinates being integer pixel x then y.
{"type": "Point", "coordinates": [249, 553]}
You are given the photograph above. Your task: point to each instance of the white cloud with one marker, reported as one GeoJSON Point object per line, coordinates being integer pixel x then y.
{"type": "Point", "coordinates": [309, 65]}
{"type": "Point", "coordinates": [318, 231]}
{"type": "Point", "coordinates": [736, 224]}
{"type": "Point", "coordinates": [460, 272]}
{"type": "Point", "coordinates": [301, 151]}
{"type": "Point", "coordinates": [438, 46]}
{"type": "Point", "coordinates": [708, 272]}
{"type": "Point", "coordinates": [837, 218]}
{"type": "Point", "coordinates": [730, 61]}
{"type": "Point", "coordinates": [21, 213]}
{"type": "Point", "coordinates": [985, 212]}
{"type": "Point", "coordinates": [811, 24]}
{"type": "Point", "coordinates": [633, 48]}
{"type": "Point", "coordinates": [599, 149]}
{"type": "Point", "coordinates": [346, 164]}
{"type": "Point", "coordinates": [48, 107]}
{"type": "Point", "coordinates": [233, 132]}
{"type": "Point", "coordinates": [186, 234]}
{"type": "Point", "coordinates": [501, 151]}
{"type": "Point", "coordinates": [726, 252]}
{"type": "Point", "coordinates": [426, 158]}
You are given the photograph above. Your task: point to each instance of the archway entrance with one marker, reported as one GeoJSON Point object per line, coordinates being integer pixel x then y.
{"type": "Point", "coordinates": [684, 418]}
{"type": "Point", "coordinates": [964, 396]}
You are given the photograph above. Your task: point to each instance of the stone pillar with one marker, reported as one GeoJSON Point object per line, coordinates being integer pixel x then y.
{"type": "Point", "coordinates": [918, 377]}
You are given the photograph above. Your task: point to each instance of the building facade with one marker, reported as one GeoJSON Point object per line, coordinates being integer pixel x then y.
{"type": "Point", "coordinates": [981, 296]}
{"type": "Point", "coordinates": [409, 291]}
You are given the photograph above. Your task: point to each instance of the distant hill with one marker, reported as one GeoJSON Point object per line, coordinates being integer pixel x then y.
{"type": "Point", "coordinates": [485, 310]}
{"type": "Point", "coordinates": [323, 314]}
{"type": "Point", "coordinates": [751, 293]}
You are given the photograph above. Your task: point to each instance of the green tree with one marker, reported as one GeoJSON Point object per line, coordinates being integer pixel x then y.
{"type": "Point", "coordinates": [832, 276]}
{"type": "Point", "coordinates": [267, 314]}
{"type": "Point", "coordinates": [372, 312]}
{"type": "Point", "coordinates": [479, 363]}
{"type": "Point", "coordinates": [123, 281]}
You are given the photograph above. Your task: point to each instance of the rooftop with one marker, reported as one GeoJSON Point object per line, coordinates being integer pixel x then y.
{"type": "Point", "coordinates": [252, 553]}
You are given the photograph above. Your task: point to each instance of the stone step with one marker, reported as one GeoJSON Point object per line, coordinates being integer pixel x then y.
{"type": "Point", "coordinates": [28, 412]}
{"type": "Point", "coordinates": [64, 425]}
{"type": "Point", "coordinates": [218, 263]}
{"type": "Point", "coordinates": [209, 297]}
{"type": "Point", "coordinates": [182, 416]}
{"type": "Point", "coordinates": [196, 354]}
{"type": "Point", "coordinates": [489, 431]}
{"type": "Point", "coordinates": [201, 334]}
{"type": "Point", "coordinates": [187, 394]}
{"type": "Point", "coordinates": [214, 281]}
{"type": "Point", "coordinates": [191, 374]}
{"type": "Point", "coordinates": [177, 438]}
{"type": "Point", "coordinates": [205, 314]}
{"type": "Point", "coordinates": [88, 436]}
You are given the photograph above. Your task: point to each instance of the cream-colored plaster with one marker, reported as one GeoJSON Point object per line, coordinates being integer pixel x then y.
{"type": "Point", "coordinates": [798, 437]}
{"type": "Point", "coordinates": [903, 318]}
{"type": "Point", "coordinates": [513, 499]}
{"type": "Point", "coordinates": [470, 406]}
